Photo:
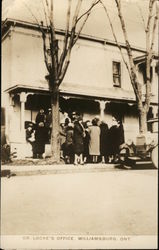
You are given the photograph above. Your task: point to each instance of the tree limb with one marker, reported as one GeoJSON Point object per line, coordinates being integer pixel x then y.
{"type": "Point", "coordinates": [66, 37]}
{"type": "Point", "coordinates": [115, 38]}
{"type": "Point", "coordinates": [154, 27]}
{"type": "Point", "coordinates": [142, 17]}
{"type": "Point", "coordinates": [93, 4]}
{"type": "Point", "coordinates": [86, 14]}
{"type": "Point", "coordinates": [45, 53]}
{"type": "Point", "coordinates": [149, 55]}
{"type": "Point", "coordinates": [134, 78]}
{"type": "Point", "coordinates": [34, 17]}
{"type": "Point", "coordinates": [45, 14]}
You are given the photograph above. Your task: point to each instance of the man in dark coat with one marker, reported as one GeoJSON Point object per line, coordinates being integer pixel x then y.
{"type": "Point", "coordinates": [104, 142]}
{"type": "Point", "coordinates": [68, 148]}
{"type": "Point", "coordinates": [41, 117]}
{"type": "Point", "coordinates": [121, 133]}
{"type": "Point", "coordinates": [86, 142]}
{"type": "Point", "coordinates": [79, 134]}
{"type": "Point", "coordinates": [114, 139]}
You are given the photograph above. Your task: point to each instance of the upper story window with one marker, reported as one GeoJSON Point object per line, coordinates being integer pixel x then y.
{"type": "Point", "coordinates": [116, 74]}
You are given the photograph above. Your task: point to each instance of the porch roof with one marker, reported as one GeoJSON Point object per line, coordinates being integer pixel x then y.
{"type": "Point", "coordinates": [27, 88]}
{"type": "Point", "coordinates": [109, 94]}
{"type": "Point", "coordinates": [142, 59]}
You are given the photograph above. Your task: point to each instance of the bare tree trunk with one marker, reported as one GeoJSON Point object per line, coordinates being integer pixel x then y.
{"type": "Point", "coordinates": [143, 121]}
{"type": "Point", "coordinates": [55, 135]}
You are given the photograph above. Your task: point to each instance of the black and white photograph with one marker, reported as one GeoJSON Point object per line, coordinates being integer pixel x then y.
{"type": "Point", "coordinates": [79, 124]}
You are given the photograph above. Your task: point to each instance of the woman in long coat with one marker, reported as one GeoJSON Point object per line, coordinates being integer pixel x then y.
{"type": "Point", "coordinates": [40, 139]}
{"type": "Point", "coordinates": [78, 139]}
{"type": "Point", "coordinates": [94, 142]}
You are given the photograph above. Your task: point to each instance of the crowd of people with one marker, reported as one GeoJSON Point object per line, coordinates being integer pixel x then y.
{"type": "Point", "coordinates": [91, 141]}
{"type": "Point", "coordinates": [81, 142]}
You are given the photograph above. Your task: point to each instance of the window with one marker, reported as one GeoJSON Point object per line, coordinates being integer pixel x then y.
{"type": "Point", "coordinates": [116, 74]}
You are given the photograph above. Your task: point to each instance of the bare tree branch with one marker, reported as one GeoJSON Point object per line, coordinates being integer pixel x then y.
{"type": "Point", "coordinates": [154, 27]}
{"type": "Point", "coordinates": [151, 3]}
{"type": "Point", "coordinates": [29, 9]}
{"type": "Point", "coordinates": [66, 55]}
{"type": "Point", "coordinates": [149, 54]}
{"type": "Point", "coordinates": [93, 4]}
{"type": "Point", "coordinates": [120, 48]}
{"type": "Point", "coordinates": [77, 10]}
{"type": "Point", "coordinates": [74, 36]}
{"type": "Point", "coordinates": [86, 14]}
{"type": "Point", "coordinates": [52, 21]}
{"type": "Point", "coordinates": [134, 78]}
{"type": "Point", "coordinates": [142, 17]}
{"type": "Point", "coordinates": [45, 53]}
{"type": "Point", "coordinates": [48, 11]}
{"type": "Point", "coordinates": [65, 38]}
{"type": "Point", "coordinates": [53, 44]}
{"type": "Point", "coordinates": [115, 38]}
{"type": "Point", "coordinates": [43, 36]}
{"type": "Point", "coordinates": [45, 14]}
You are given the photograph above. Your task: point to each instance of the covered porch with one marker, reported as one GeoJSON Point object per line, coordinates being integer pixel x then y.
{"type": "Point", "coordinates": [24, 103]}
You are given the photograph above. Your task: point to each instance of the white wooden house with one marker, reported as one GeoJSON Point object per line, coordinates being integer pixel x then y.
{"type": "Point", "coordinates": [96, 83]}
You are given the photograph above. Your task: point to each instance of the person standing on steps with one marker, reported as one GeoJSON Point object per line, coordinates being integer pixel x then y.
{"type": "Point", "coordinates": [94, 142]}
{"type": "Point", "coordinates": [104, 143]}
{"type": "Point", "coordinates": [40, 139]}
{"type": "Point", "coordinates": [78, 140]}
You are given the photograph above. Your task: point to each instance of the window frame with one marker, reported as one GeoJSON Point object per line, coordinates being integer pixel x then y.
{"type": "Point", "coordinates": [117, 75]}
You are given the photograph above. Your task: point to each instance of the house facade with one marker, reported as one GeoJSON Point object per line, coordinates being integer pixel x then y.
{"type": "Point", "coordinates": [96, 83]}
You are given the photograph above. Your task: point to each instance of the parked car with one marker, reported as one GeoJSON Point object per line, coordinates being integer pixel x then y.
{"type": "Point", "coordinates": [144, 150]}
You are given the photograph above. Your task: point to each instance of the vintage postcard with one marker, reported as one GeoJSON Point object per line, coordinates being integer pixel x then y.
{"type": "Point", "coordinates": [79, 124]}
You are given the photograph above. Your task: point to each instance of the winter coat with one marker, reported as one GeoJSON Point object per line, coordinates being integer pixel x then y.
{"type": "Point", "coordinates": [40, 139]}
{"type": "Point", "coordinates": [40, 118]}
{"type": "Point", "coordinates": [68, 145]}
{"type": "Point", "coordinates": [69, 136]}
{"type": "Point", "coordinates": [94, 143]}
{"type": "Point", "coordinates": [86, 143]}
{"type": "Point", "coordinates": [104, 142]}
{"type": "Point", "coordinates": [121, 134]}
{"type": "Point", "coordinates": [78, 138]}
{"type": "Point", "coordinates": [114, 140]}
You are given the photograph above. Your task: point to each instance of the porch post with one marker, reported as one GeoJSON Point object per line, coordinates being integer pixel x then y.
{"type": "Point", "coordinates": [155, 111]}
{"type": "Point", "coordinates": [154, 80]}
{"type": "Point", "coordinates": [8, 113]}
{"type": "Point", "coordinates": [102, 108]}
{"type": "Point", "coordinates": [23, 98]}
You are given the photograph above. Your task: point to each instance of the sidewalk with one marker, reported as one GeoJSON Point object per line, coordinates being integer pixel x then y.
{"type": "Point", "coordinates": [26, 170]}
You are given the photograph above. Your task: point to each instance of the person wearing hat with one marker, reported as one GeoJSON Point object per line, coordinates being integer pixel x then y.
{"type": "Point", "coordinates": [30, 137]}
{"type": "Point", "coordinates": [78, 139]}
{"type": "Point", "coordinates": [94, 142]}
{"type": "Point", "coordinates": [41, 117]}
{"type": "Point", "coordinates": [68, 148]}
{"type": "Point", "coordinates": [73, 116]}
